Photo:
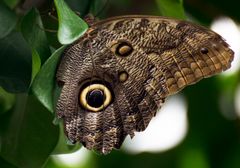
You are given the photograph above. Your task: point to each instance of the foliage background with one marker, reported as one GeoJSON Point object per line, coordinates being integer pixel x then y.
{"type": "Point", "coordinates": [28, 132]}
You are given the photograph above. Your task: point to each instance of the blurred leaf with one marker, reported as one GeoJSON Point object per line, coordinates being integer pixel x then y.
{"type": "Point", "coordinates": [15, 63]}
{"type": "Point", "coordinates": [8, 20]}
{"type": "Point", "coordinates": [7, 100]}
{"type": "Point", "coordinates": [71, 26]}
{"type": "Point", "coordinates": [98, 6]}
{"type": "Point", "coordinates": [232, 158]}
{"type": "Point", "coordinates": [143, 160]}
{"type": "Point", "coordinates": [32, 30]}
{"type": "Point", "coordinates": [194, 157]}
{"type": "Point", "coordinates": [27, 135]}
{"type": "Point", "coordinates": [228, 85]}
{"type": "Point", "coordinates": [208, 127]}
{"type": "Point", "coordinates": [207, 10]}
{"type": "Point", "coordinates": [171, 8]}
{"type": "Point", "coordinates": [44, 82]}
{"type": "Point", "coordinates": [63, 147]}
{"type": "Point", "coordinates": [11, 3]}
{"type": "Point", "coordinates": [5, 164]}
{"type": "Point", "coordinates": [229, 82]}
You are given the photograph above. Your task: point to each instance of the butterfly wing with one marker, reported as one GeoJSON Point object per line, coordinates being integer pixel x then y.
{"type": "Point", "coordinates": [138, 61]}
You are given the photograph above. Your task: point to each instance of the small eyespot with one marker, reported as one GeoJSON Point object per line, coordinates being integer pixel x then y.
{"type": "Point", "coordinates": [122, 76]}
{"type": "Point", "coordinates": [124, 49]}
{"type": "Point", "coordinates": [95, 97]}
{"type": "Point", "coordinates": [204, 50]}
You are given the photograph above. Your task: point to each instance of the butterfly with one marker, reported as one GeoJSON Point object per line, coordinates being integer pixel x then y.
{"type": "Point", "coordinates": [118, 74]}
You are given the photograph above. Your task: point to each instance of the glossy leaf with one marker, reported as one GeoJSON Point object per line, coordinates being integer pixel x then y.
{"type": "Point", "coordinates": [8, 20]}
{"type": "Point", "coordinates": [15, 63]}
{"type": "Point", "coordinates": [171, 8]}
{"type": "Point", "coordinates": [27, 134]}
{"type": "Point", "coordinates": [7, 100]}
{"type": "Point", "coordinates": [36, 63]}
{"type": "Point", "coordinates": [44, 83]}
{"type": "Point", "coordinates": [71, 26]}
{"type": "Point", "coordinates": [33, 32]}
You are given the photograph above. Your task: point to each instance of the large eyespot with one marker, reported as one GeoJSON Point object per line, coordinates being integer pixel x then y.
{"type": "Point", "coordinates": [124, 49]}
{"type": "Point", "coordinates": [95, 97]}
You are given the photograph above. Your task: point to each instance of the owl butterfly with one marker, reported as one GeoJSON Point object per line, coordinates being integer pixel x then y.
{"type": "Point", "coordinates": [116, 77]}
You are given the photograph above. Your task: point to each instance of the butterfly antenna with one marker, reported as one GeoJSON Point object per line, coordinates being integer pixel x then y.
{"type": "Point", "coordinates": [47, 30]}
{"type": "Point", "coordinates": [48, 13]}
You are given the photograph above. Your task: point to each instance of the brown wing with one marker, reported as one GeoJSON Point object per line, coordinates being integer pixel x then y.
{"type": "Point", "coordinates": [141, 60]}
{"type": "Point", "coordinates": [182, 52]}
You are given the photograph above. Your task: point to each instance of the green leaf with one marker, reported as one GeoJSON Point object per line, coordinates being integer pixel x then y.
{"type": "Point", "coordinates": [7, 100]}
{"type": "Point", "coordinates": [11, 3]}
{"type": "Point", "coordinates": [27, 134]}
{"type": "Point", "coordinates": [98, 6]}
{"type": "Point", "coordinates": [63, 147]}
{"type": "Point", "coordinates": [71, 26]}
{"type": "Point", "coordinates": [32, 30]}
{"type": "Point", "coordinates": [44, 83]}
{"type": "Point", "coordinates": [171, 8]}
{"type": "Point", "coordinates": [36, 63]}
{"type": "Point", "coordinates": [8, 20]}
{"type": "Point", "coordinates": [15, 63]}
{"type": "Point", "coordinates": [194, 157]}
{"type": "Point", "coordinates": [5, 164]}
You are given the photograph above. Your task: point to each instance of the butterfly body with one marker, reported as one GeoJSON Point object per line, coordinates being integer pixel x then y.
{"type": "Point", "coordinates": [119, 73]}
